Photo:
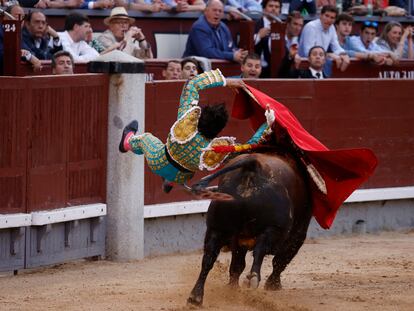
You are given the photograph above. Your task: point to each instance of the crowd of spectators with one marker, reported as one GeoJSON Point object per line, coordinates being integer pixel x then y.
{"type": "Point", "coordinates": [210, 38]}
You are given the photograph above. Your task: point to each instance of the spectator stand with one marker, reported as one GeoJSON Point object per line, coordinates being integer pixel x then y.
{"type": "Point", "coordinates": [167, 33]}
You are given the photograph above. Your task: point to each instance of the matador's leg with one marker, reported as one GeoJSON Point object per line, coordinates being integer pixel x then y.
{"type": "Point", "coordinates": [148, 145]}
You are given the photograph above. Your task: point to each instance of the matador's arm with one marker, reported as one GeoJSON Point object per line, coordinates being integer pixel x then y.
{"type": "Point", "coordinates": [190, 94]}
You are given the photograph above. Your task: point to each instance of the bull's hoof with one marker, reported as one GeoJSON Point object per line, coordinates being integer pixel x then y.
{"type": "Point", "coordinates": [253, 280]}
{"type": "Point", "coordinates": [273, 285]}
{"type": "Point", "coordinates": [195, 301]}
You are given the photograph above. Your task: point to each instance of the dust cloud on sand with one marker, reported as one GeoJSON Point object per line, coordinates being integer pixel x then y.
{"type": "Point", "coordinates": [369, 272]}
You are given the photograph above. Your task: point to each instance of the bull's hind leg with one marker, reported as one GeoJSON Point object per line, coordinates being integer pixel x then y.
{"type": "Point", "coordinates": [212, 246]}
{"type": "Point", "coordinates": [282, 258]}
{"type": "Point", "coordinates": [263, 244]}
{"type": "Point", "coordinates": [238, 263]}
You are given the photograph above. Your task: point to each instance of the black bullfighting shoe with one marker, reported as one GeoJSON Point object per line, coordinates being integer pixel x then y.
{"type": "Point", "coordinates": [167, 185]}
{"type": "Point", "coordinates": [128, 131]}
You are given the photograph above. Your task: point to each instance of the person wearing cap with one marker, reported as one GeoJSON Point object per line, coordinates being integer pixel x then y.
{"type": "Point", "coordinates": [123, 36]}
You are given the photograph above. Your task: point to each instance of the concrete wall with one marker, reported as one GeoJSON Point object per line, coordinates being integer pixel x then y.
{"type": "Point", "coordinates": [185, 233]}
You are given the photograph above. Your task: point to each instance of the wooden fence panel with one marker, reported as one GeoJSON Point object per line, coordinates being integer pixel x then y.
{"type": "Point", "coordinates": [53, 138]}
{"type": "Point", "coordinates": [12, 146]}
{"type": "Point", "coordinates": [87, 145]}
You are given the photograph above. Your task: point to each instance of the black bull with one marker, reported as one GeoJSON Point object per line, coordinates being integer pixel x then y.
{"type": "Point", "coordinates": [270, 215]}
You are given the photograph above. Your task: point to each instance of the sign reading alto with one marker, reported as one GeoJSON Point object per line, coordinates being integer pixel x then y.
{"type": "Point", "coordinates": [396, 74]}
{"type": "Point", "coordinates": [363, 69]}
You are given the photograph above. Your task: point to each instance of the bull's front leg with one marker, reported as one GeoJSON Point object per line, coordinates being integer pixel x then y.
{"type": "Point", "coordinates": [212, 246]}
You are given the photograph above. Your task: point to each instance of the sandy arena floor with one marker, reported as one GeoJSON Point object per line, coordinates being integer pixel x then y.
{"type": "Point", "coordinates": [370, 272]}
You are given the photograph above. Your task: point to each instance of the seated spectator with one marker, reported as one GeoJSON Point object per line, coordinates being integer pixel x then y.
{"type": "Point", "coordinates": [300, 5]}
{"type": "Point", "coordinates": [190, 67]}
{"type": "Point", "coordinates": [316, 59]}
{"type": "Point", "coordinates": [172, 71]}
{"type": "Point", "coordinates": [343, 25]}
{"type": "Point", "coordinates": [363, 46]}
{"type": "Point", "coordinates": [262, 37]}
{"type": "Point", "coordinates": [393, 39]}
{"type": "Point", "coordinates": [36, 35]}
{"type": "Point", "coordinates": [365, 42]}
{"type": "Point", "coordinates": [62, 63]}
{"type": "Point", "coordinates": [210, 37]}
{"type": "Point", "coordinates": [16, 11]}
{"type": "Point", "coordinates": [321, 32]}
{"type": "Point", "coordinates": [123, 36]}
{"type": "Point", "coordinates": [251, 67]}
{"type": "Point", "coordinates": [73, 38]}
{"type": "Point", "coordinates": [294, 26]}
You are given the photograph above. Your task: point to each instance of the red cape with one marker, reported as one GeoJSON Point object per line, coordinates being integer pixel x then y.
{"type": "Point", "coordinates": [342, 170]}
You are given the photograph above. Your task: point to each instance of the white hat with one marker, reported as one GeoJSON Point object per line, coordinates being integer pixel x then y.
{"type": "Point", "coordinates": [118, 12]}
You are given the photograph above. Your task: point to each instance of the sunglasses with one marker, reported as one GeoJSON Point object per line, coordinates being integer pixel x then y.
{"type": "Point", "coordinates": [371, 24]}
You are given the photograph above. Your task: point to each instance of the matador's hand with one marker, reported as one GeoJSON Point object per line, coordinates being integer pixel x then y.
{"type": "Point", "coordinates": [235, 83]}
{"type": "Point", "coordinates": [270, 116]}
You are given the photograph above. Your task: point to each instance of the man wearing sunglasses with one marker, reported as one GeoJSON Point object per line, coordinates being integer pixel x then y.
{"type": "Point", "coordinates": [365, 42]}
{"type": "Point", "coordinates": [364, 45]}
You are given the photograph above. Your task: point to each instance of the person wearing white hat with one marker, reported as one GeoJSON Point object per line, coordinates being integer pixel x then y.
{"type": "Point", "coordinates": [122, 35]}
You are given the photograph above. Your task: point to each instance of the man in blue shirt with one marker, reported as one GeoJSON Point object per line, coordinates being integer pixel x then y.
{"type": "Point", "coordinates": [363, 47]}
{"type": "Point", "coordinates": [209, 37]}
{"type": "Point", "coordinates": [321, 32]}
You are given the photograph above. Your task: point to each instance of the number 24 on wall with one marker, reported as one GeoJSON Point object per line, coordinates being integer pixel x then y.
{"type": "Point", "coordinates": [9, 27]}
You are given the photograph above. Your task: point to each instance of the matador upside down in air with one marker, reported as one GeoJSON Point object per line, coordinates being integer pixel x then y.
{"type": "Point", "coordinates": [192, 136]}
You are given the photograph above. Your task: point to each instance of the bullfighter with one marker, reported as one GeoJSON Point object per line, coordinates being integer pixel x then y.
{"type": "Point", "coordinates": [192, 137]}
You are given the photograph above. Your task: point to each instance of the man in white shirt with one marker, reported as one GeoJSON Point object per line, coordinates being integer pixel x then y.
{"type": "Point", "coordinates": [321, 32]}
{"type": "Point", "coordinates": [73, 38]}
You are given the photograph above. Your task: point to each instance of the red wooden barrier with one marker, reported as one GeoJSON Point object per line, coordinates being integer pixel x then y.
{"type": "Point", "coordinates": [53, 137]}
